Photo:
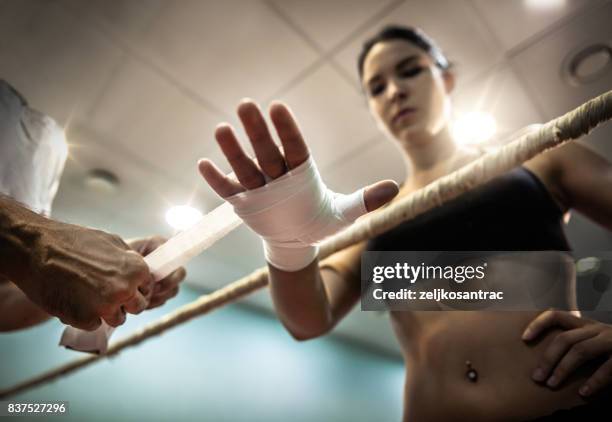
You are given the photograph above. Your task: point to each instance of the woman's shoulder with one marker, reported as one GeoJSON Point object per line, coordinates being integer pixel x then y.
{"type": "Point", "coordinates": [563, 168]}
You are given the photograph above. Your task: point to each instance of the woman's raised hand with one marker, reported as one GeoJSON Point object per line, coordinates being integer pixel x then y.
{"type": "Point", "coordinates": [281, 195]}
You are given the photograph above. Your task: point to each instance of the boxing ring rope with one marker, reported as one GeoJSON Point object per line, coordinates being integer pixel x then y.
{"type": "Point", "coordinates": [572, 125]}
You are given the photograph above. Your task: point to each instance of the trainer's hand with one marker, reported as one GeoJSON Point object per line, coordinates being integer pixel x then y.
{"type": "Point", "coordinates": [584, 340]}
{"type": "Point", "coordinates": [162, 290]}
{"type": "Point", "coordinates": [82, 275]}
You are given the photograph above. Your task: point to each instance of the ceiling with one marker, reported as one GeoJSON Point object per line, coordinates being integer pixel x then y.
{"type": "Point", "coordinates": [141, 84]}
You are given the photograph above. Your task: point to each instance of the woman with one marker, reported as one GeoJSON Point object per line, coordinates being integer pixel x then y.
{"type": "Point", "coordinates": [470, 365]}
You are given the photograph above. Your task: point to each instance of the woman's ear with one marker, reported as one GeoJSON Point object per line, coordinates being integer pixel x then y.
{"type": "Point", "coordinates": [449, 81]}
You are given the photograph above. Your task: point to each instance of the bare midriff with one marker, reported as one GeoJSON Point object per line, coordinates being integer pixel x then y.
{"type": "Point", "coordinates": [437, 345]}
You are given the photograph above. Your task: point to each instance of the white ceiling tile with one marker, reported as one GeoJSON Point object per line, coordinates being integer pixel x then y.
{"type": "Point", "coordinates": [131, 16]}
{"type": "Point", "coordinates": [328, 23]}
{"type": "Point", "coordinates": [541, 66]}
{"type": "Point", "coordinates": [451, 23]}
{"type": "Point", "coordinates": [150, 118]}
{"type": "Point", "coordinates": [534, 16]}
{"type": "Point", "coordinates": [220, 50]}
{"type": "Point", "coordinates": [333, 116]}
{"type": "Point", "coordinates": [499, 93]}
{"type": "Point", "coordinates": [377, 159]}
{"type": "Point", "coordinates": [56, 61]}
{"type": "Point", "coordinates": [143, 195]}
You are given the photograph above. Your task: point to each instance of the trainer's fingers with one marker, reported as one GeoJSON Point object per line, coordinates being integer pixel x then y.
{"type": "Point", "coordinates": [160, 300]}
{"type": "Point", "coordinates": [379, 194]}
{"type": "Point", "coordinates": [219, 182]}
{"type": "Point", "coordinates": [267, 152]}
{"type": "Point", "coordinates": [296, 150]}
{"type": "Point", "coordinates": [88, 324]}
{"type": "Point", "coordinates": [116, 318]}
{"type": "Point", "coordinates": [137, 304]}
{"type": "Point", "coordinates": [170, 281]}
{"type": "Point", "coordinates": [245, 169]}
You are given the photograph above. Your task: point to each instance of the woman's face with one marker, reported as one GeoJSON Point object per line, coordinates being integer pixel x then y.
{"type": "Point", "coordinates": [406, 91]}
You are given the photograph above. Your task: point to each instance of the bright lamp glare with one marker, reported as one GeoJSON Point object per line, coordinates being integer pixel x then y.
{"type": "Point", "coordinates": [544, 5]}
{"type": "Point", "coordinates": [182, 217]}
{"type": "Point", "coordinates": [474, 128]}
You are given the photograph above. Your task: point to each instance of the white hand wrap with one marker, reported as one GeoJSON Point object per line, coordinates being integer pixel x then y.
{"type": "Point", "coordinates": [294, 213]}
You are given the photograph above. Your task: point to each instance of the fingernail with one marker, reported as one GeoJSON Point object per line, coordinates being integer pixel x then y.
{"type": "Point", "coordinates": [388, 190]}
{"type": "Point", "coordinates": [584, 390]}
{"type": "Point", "coordinates": [552, 381]}
{"type": "Point", "coordinates": [539, 374]}
{"type": "Point", "coordinates": [527, 334]}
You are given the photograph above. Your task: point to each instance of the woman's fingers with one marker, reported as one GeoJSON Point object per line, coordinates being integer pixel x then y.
{"type": "Point", "coordinates": [296, 151]}
{"type": "Point", "coordinates": [245, 169]}
{"type": "Point", "coordinates": [599, 380]}
{"type": "Point", "coordinates": [549, 319]}
{"type": "Point", "coordinates": [579, 354]}
{"type": "Point", "coordinates": [379, 194]}
{"type": "Point", "coordinates": [219, 182]}
{"type": "Point", "coordinates": [268, 155]}
{"type": "Point", "coordinates": [562, 354]}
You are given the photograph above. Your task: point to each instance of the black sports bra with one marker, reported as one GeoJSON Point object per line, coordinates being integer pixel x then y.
{"type": "Point", "coordinates": [512, 212]}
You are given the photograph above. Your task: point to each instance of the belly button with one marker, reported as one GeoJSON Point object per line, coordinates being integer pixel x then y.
{"type": "Point", "coordinates": [471, 373]}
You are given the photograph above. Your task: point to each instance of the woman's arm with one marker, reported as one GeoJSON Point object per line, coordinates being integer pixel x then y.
{"type": "Point", "coordinates": [584, 180]}
{"type": "Point", "coordinates": [310, 302]}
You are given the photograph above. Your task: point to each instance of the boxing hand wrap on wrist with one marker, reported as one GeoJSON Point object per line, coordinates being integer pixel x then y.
{"type": "Point", "coordinates": [294, 213]}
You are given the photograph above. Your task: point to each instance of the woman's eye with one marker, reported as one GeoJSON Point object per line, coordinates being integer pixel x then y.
{"type": "Point", "coordinates": [376, 89]}
{"type": "Point", "coordinates": [410, 72]}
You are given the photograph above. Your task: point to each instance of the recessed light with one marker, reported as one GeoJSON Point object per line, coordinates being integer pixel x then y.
{"type": "Point", "coordinates": [102, 181]}
{"type": "Point", "coordinates": [587, 265]}
{"type": "Point", "coordinates": [587, 64]}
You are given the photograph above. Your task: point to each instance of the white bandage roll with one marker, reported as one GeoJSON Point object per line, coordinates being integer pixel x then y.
{"type": "Point", "coordinates": [296, 212]}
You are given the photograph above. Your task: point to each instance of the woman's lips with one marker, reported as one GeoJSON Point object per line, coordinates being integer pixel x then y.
{"type": "Point", "coordinates": [406, 111]}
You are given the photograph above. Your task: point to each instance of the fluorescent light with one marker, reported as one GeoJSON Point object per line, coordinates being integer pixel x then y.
{"type": "Point", "coordinates": [474, 128]}
{"type": "Point", "coordinates": [182, 217]}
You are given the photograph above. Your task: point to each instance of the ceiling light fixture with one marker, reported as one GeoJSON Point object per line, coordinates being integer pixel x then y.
{"type": "Point", "coordinates": [474, 128]}
{"type": "Point", "coordinates": [544, 5]}
{"type": "Point", "coordinates": [587, 64]}
{"type": "Point", "coordinates": [181, 217]}
{"type": "Point", "coordinates": [102, 181]}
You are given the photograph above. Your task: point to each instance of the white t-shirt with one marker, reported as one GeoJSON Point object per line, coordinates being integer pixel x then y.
{"type": "Point", "coordinates": [33, 152]}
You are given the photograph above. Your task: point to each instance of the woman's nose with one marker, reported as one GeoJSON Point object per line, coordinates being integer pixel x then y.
{"type": "Point", "coordinates": [396, 91]}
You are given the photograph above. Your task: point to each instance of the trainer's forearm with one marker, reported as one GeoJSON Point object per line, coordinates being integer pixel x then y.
{"type": "Point", "coordinates": [19, 232]}
{"type": "Point", "coordinates": [301, 301]}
